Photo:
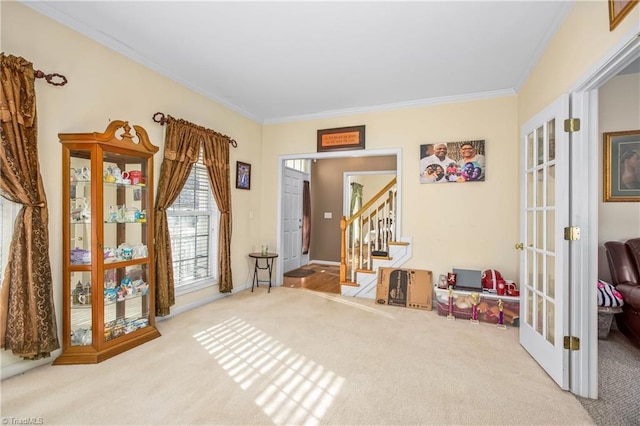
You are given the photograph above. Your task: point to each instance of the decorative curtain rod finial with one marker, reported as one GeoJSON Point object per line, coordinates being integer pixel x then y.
{"type": "Point", "coordinates": [162, 120]}
{"type": "Point", "coordinates": [50, 77]}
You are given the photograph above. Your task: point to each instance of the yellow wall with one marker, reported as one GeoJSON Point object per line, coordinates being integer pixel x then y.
{"type": "Point", "coordinates": [472, 225]}
{"type": "Point", "coordinates": [578, 46]}
{"type": "Point", "coordinates": [104, 85]}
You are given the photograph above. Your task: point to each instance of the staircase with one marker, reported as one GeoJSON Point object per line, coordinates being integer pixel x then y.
{"type": "Point", "coordinates": [369, 240]}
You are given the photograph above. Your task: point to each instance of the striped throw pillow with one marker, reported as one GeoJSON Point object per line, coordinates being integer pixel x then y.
{"type": "Point", "coordinates": [608, 296]}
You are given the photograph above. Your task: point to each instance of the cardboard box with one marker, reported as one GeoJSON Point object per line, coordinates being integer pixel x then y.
{"type": "Point", "coordinates": [411, 288]}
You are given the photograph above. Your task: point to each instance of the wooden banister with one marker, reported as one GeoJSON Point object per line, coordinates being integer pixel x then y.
{"type": "Point", "coordinates": [372, 201]}
{"type": "Point", "coordinates": [368, 213]}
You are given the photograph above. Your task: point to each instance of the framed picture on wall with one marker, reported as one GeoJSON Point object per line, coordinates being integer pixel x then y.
{"type": "Point", "coordinates": [618, 10]}
{"type": "Point", "coordinates": [622, 166]}
{"type": "Point", "coordinates": [452, 162]}
{"type": "Point", "coordinates": [243, 175]}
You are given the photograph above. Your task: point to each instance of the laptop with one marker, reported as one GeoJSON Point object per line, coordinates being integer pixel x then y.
{"type": "Point", "coordinates": [468, 279]}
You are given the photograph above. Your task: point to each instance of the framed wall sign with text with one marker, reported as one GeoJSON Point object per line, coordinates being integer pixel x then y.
{"type": "Point", "coordinates": [343, 138]}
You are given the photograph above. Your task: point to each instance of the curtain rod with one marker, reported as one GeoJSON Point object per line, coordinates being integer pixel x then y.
{"type": "Point", "coordinates": [50, 77]}
{"type": "Point", "coordinates": [163, 120]}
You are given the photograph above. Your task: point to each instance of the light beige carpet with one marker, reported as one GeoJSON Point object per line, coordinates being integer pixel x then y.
{"type": "Point", "coordinates": [296, 357]}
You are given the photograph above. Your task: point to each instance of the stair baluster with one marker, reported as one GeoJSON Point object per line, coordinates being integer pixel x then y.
{"type": "Point", "coordinates": [375, 221]}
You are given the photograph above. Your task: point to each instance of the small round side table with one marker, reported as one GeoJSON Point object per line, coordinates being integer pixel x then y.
{"type": "Point", "coordinates": [269, 259]}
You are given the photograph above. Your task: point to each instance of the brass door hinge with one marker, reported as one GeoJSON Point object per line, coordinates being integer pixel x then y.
{"type": "Point", "coordinates": [572, 125]}
{"type": "Point", "coordinates": [572, 233]}
{"type": "Point", "coordinates": [572, 343]}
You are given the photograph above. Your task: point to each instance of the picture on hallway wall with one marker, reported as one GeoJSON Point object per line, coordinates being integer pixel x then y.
{"type": "Point", "coordinates": [243, 175]}
{"type": "Point", "coordinates": [622, 166]}
{"type": "Point", "coordinates": [452, 162]}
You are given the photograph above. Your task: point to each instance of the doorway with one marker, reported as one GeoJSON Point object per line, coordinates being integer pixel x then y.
{"type": "Point", "coordinates": [585, 201]}
{"type": "Point", "coordinates": [363, 156]}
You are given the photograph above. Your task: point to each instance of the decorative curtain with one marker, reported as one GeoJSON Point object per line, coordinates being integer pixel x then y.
{"type": "Point", "coordinates": [306, 217]}
{"type": "Point", "coordinates": [356, 204]}
{"type": "Point", "coordinates": [27, 314]}
{"type": "Point", "coordinates": [181, 150]}
{"type": "Point", "coordinates": [216, 159]}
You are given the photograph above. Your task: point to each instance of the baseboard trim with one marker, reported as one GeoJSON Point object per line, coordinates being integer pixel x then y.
{"type": "Point", "coordinates": [325, 262]}
{"type": "Point", "coordinates": [184, 308]}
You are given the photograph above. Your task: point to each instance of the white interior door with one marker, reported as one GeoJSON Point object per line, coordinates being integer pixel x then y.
{"type": "Point", "coordinates": [292, 219]}
{"type": "Point", "coordinates": [544, 214]}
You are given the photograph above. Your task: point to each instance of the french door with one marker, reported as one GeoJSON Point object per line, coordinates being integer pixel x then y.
{"type": "Point", "coordinates": [544, 288]}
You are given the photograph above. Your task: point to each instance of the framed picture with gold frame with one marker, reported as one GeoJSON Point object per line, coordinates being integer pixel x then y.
{"type": "Point", "coordinates": [622, 166]}
{"type": "Point", "coordinates": [618, 9]}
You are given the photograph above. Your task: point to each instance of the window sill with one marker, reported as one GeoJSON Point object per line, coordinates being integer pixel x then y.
{"type": "Point", "coordinates": [195, 286]}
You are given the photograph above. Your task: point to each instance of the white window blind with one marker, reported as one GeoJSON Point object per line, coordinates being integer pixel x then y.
{"type": "Point", "coordinates": [193, 223]}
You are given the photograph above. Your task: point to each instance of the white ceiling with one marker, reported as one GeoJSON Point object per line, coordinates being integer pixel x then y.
{"type": "Point", "coordinates": [284, 61]}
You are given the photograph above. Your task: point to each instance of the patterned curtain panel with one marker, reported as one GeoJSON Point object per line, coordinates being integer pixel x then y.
{"type": "Point", "coordinates": [27, 314]}
{"type": "Point", "coordinates": [181, 150]}
{"type": "Point", "coordinates": [216, 158]}
{"type": "Point", "coordinates": [306, 217]}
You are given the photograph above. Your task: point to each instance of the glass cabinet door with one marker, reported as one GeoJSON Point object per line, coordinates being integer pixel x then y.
{"type": "Point", "coordinates": [81, 308]}
{"type": "Point", "coordinates": [80, 208]}
{"type": "Point", "coordinates": [125, 251]}
{"type": "Point", "coordinates": [126, 300]}
{"type": "Point", "coordinates": [80, 284]}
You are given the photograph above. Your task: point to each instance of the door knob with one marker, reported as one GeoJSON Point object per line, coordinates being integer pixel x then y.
{"type": "Point", "coordinates": [520, 246]}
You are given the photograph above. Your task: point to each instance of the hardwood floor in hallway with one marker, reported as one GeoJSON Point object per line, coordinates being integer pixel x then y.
{"type": "Point", "coordinates": [325, 278]}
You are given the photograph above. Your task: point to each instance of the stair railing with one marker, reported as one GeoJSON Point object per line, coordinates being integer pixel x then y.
{"type": "Point", "coordinates": [376, 228]}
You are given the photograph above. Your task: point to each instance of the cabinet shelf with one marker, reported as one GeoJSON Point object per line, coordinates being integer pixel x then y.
{"type": "Point", "coordinates": [96, 327]}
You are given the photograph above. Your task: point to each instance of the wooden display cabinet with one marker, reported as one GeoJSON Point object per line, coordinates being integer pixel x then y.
{"type": "Point", "coordinates": [108, 251]}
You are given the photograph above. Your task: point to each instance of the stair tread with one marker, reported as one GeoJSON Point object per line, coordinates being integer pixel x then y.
{"type": "Point", "coordinates": [366, 271]}
{"type": "Point", "coordinates": [398, 243]}
{"type": "Point", "coordinates": [350, 283]}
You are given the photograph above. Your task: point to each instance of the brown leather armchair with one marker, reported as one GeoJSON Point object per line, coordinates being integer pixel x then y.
{"type": "Point", "coordinates": [624, 265]}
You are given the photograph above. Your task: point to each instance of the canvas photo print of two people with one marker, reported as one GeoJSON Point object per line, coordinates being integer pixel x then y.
{"type": "Point", "coordinates": [452, 162]}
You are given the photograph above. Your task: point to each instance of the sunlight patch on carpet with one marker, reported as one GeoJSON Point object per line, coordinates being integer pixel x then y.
{"type": "Point", "coordinates": [292, 389]}
{"type": "Point", "coordinates": [353, 304]}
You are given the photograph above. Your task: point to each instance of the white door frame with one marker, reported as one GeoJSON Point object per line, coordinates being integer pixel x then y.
{"type": "Point", "coordinates": [584, 213]}
{"type": "Point", "coordinates": [320, 155]}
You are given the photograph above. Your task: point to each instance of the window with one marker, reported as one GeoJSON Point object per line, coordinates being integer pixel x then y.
{"type": "Point", "coordinates": [8, 212]}
{"type": "Point", "coordinates": [193, 220]}
{"type": "Point", "coordinates": [298, 164]}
